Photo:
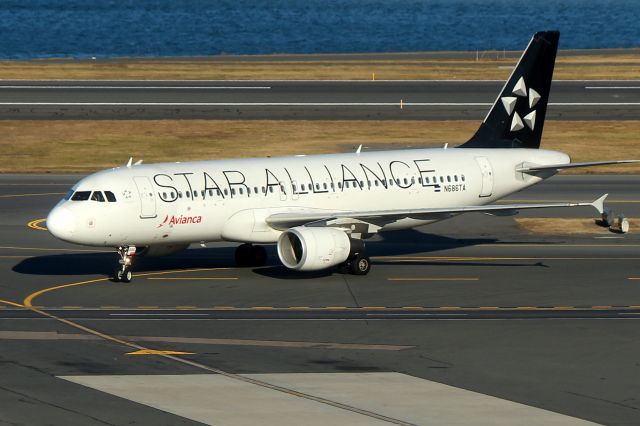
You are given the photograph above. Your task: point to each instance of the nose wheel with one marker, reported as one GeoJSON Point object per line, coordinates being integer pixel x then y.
{"type": "Point", "coordinates": [123, 271]}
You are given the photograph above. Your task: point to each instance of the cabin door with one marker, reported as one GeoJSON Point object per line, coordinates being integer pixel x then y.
{"type": "Point", "coordinates": [147, 199]}
{"type": "Point", "coordinates": [487, 176]}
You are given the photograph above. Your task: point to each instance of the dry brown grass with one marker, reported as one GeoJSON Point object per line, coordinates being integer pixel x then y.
{"type": "Point", "coordinates": [84, 146]}
{"type": "Point", "coordinates": [562, 226]}
{"type": "Point", "coordinates": [619, 66]}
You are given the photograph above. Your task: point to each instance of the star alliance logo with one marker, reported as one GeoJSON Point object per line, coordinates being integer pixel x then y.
{"type": "Point", "coordinates": [509, 103]}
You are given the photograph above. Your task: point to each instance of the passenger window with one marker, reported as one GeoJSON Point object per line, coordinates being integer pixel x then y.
{"type": "Point", "coordinates": [406, 182]}
{"type": "Point", "coordinates": [164, 195]}
{"type": "Point", "coordinates": [112, 198]}
{"type": "Point", "coordinates": [97, 196]}
{"type": "Point", "coordinates": [188, 194]}
{"type": "Point", "coordinates": [441, 179]}
{"type": "Point", "coordinates": [81, 196]}
{"type": "Point", "coordinates": [240, 191]}
{"type": "Point", "coordinates": [426, 180]}
{"type": "Point", "coordinates": [271, 189]}
{"type": "Point", "coordinates": [226, 192]}
{"type": "Point", "coordinates": [179, 194]}
{"type": "Point", "coordinates": [376, 182]}
{"type": "Point", "coordinates": [324, 185]}
{"type": "Point", "coordinates": [302, 186]}
{"type": "Point", "coordinates": [449, 179]}
{"type": "Point", "coordinates": [455, 178]}
{"type": "Point", "coordinates": [195, 194]}
{"type": "Point", "coordinates": [462, 177]}
{"type": "Point", "coordinates": [255, 189]}
{"type": "Point", "coordinates": [202, 192]}
{"type": "Point", "coordinates": [390, 182]}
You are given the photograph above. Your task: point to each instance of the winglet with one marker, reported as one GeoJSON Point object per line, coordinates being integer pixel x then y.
{"type": "Point", "coordinates": [129, 162]}
{"type": "Point", "coordinates": [137, 163]}
{"type": "Point", "coordinates": [599, 203]}
{"type": "Point", "coordinates": [359, 149]}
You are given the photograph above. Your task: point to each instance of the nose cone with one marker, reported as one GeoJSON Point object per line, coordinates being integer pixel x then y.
{"type": "Point", "coordinates": [61, 223]}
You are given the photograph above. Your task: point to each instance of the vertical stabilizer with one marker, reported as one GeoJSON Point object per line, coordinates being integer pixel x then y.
{"type": "Point", "coordinates": [517, 116]}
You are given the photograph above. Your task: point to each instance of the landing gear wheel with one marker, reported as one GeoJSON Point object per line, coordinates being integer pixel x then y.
{"type": "Point", "coordinates": [360, 265]}
{"type": "Point", "coordinates": [123, 272]}
{"type": "Point", "coordinates": [250, 255]}
{"type": "Point", "coordinates": [259, 255]}
{"type": "Point", "coordinates": [243, 255]}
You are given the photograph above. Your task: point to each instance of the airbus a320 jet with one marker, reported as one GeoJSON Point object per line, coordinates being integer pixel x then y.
{"type": "Point", "coordinates": [320, 209]}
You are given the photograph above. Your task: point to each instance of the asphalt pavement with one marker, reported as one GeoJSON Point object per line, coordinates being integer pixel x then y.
{"type": "Point", "coordinates": [475, 302]}
{"type": "Point", "coordinates": [292, 100]}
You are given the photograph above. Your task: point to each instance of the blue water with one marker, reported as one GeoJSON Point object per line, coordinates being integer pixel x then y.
{"type": "Point", "coordinates": [111, 28]}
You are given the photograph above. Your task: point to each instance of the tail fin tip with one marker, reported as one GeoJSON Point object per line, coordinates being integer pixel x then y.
{"type": "Point", "coordinates": [517, 116]}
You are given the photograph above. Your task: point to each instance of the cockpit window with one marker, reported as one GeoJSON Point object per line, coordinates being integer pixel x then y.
{"type": "Point", "coordinates": [110, 197]}
{"type": "Point", "coordinates": [81, 196]}
{"type": "Point", "coordinates": [97, 196]}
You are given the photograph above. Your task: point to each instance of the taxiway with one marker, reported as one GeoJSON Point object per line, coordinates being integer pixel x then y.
{"type": "Point", "coordinates": [474, 302]}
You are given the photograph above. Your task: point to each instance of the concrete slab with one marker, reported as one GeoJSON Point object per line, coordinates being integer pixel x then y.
{"type": "Point", "coordinates": [215, 399]}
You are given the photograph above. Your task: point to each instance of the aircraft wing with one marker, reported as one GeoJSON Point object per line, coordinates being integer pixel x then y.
{"type": "Point", "coordinates": [534, 168]}
{"type": "Point", "coordinates": [282, 221]}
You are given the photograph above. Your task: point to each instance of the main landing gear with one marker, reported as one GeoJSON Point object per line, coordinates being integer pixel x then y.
{"type": "Point", "coordinates": [359, 264]}
{"type": "Point", "coordinates": [123, 272]}
{"type": "Point", "coordinates": [250, 255]}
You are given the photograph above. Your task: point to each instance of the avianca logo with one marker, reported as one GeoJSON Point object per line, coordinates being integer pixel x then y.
{"type": "Point", "coordinates": [180, 220]}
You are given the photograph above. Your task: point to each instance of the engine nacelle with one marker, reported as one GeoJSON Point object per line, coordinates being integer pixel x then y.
{"type": "Point", "coordinates": [314, 248]}
{"type": "Point", "coordinates": [161, 250]}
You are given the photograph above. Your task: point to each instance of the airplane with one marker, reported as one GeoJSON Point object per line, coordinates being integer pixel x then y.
{"type": "Point", "coordinates": [320, 209]}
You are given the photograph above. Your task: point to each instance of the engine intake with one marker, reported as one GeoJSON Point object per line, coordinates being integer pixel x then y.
{"type": "Point", "coordinates": [312, 249]}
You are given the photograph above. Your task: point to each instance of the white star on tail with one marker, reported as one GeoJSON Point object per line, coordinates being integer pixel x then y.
{"type": "Point", "coordinates": [509, 103]}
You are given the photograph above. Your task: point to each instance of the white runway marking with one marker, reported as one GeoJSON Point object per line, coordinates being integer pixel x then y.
{"type": "Point", "coordinates": [611, 87]}
{"type": "Point", "coordinates": [308, 81]}
{"type": "Point", "coordinates": [302, 104]}
{"type": "Point", "coordinates": [141, 87]}
{"type": "Point", "coordinates": [399, 398]}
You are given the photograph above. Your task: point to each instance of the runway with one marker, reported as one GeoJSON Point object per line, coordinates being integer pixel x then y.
{"type": "Point", "coordinates": [304, 100]}
{"type": "Point", "coordinates": [474, 302]}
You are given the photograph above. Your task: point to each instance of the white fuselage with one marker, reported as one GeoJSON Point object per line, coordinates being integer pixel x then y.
{"type": "Point", "coordinates": [181, 203]}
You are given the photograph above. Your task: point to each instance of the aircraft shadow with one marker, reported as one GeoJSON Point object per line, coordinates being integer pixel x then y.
{"type": "Point", "coordinates": [388, 244]}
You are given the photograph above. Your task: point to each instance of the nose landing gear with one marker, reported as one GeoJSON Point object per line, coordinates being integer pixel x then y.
{"type": "Point", "coordinates": [123, 272]}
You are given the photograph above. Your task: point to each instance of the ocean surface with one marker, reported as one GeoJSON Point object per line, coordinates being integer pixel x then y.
{"type": "Point", "coordinates": [114, 28]}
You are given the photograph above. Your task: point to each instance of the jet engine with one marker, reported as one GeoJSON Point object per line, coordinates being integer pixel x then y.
{"type": "Point", "coordinates": [314, 248]}
{"type": "Point", "coordinates": [161, 250]}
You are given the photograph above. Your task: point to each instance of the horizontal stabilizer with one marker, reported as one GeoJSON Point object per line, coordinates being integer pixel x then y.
{"type": "Point", "coordinates": [534, 168]}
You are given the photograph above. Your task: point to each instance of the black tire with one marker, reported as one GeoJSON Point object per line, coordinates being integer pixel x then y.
{"type": "Point", "coordinates": [243, 255]}
{"type": "Point", "coordinates": [360, 265]}
{"type": "Point", "coordinates": [117, 275]}
{"type": "Point", "coordinates": [126, 276]}
{"type": "Point", "coordinates": [258, 256]}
